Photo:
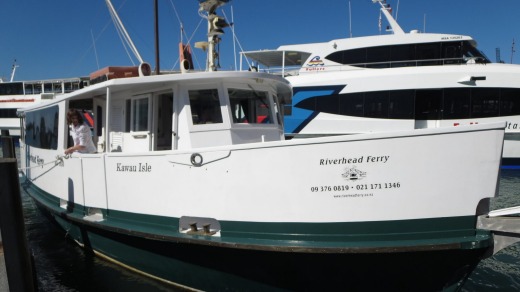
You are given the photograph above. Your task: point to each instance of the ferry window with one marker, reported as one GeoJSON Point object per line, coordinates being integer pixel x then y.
{"type": "Point", "coordinates": [484, 102]}
{"type": "Point", "coordinates": [8, 113]}
{"type": "Point", "coordinates": [57, 88]}
{"type": "Point", "coordinates": [355, 56]}
{"type": "Point", "coordinates": [328, 104]}
{"type": "Point", "coordinates": [28, 88]}
{"type": "Point", "coordinates": [402, 52]}
{"type": "Point", "coordinates": [456, 103]}
{"type": "Point", "coordinates": [400, 104]}
{"type": "Point", "coordinates": [205, 106]}
{"type": "Point", "coordinates": [37, 88]}
{"type": "Point", "coordinates": [47, 87]}
{"type": "Point", "coordinates": [452, 53]}
{"type": "Point", "coordinates": [11, 88]}
{"type": "Point", "coordinates": [427, 104]}
{"type": "Point", "coordinates": [351, 104]}
{"type": "Point", "coordinates": [379, 56]}
{"type": "Point", "coordinates": [139, 119]}
{"type": "Point", "coordinates": [42, 128]}
{"type": "Point", "coordinates": [510, 102]}
{"type": "Point", "coordinates": [249, 106]}
{"type": "Point", "coordinates": [469, 51]}
{"type": "Point", "coordinates": [428, 52]}
{"type": "Point", "coordinates": [376, 104]}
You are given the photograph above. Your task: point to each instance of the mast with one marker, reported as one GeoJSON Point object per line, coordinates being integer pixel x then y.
{"type": "Point", "coordinates": [121, 28]}
{"type": "Point", "coordinates": [385, 9]}
{"type": "Point", "coordinates": [207, 10]}
{"type": "Point", "coordinates": [13, 70]}
{"type": "Point", "coordinates": [156, 30]}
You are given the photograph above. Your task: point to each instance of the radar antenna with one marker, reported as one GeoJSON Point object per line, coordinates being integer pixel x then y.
{"type": "Point", "coordinates": [216, 24]}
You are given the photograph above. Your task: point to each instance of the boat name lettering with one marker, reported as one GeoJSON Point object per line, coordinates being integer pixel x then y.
{"type": "Point", "coordinates": [142, 167]}
{"type": "Point", "coordinates": [315, 69]}
{"type": "Point", "coordinates": [362, 159]}
{"type": "Point", "coordinates": [451, 38]}
{"type": "Point", "coordinates": [36, 159]}
{"type": "Point", "coordinates": [512, 126]}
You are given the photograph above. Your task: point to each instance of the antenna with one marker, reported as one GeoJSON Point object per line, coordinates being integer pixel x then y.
{"type": "Point", "coordinates": [350, 19]}
{"type": "Point", "coordinates": [13, 70]}
{"type": "Point", "coordinates": [512, 50]}
{"type": "Point", "coordinates": [95, 51]}
{"type": "Point", "coordinates": [216, 24]}
{"type": "Point", "coordinates": [386, 10]}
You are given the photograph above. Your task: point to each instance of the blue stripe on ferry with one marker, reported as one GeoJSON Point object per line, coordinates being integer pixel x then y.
{"type": "Point", "coordinates": [299, 117]}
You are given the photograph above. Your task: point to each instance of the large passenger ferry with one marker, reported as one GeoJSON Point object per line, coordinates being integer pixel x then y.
{"type": "Point", "coordinates": [393, 82]}
{"type": "Point", "coordinates": [16, 95]}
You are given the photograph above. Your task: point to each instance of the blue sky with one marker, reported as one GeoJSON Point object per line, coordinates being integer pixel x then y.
{"type": "Point", "coordinates": [70, 38]}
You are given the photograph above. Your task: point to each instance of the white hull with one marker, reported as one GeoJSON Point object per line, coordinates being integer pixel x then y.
{"type": "Point", "coordinates": [289, 181]}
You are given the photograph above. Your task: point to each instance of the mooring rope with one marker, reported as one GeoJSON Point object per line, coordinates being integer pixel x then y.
{"type": "Point", "coordinates": [56, 162]}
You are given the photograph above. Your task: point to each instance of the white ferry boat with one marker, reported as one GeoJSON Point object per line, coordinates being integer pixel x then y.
{"type": "Point", "coordinates": [16, 95]}
{"type": "Point", "coordinates": [394, 82]}
{"type": "Point", "coordinates": [194, 184]}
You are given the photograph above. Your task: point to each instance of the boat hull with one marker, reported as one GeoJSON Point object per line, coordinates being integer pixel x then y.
{"type": "Point", "coordinates": [289, 214]}
{"type": "Point", "coordinates": [199, 265]}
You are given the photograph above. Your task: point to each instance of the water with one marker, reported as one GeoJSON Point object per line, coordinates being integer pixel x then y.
{"type": "Point", "coordinates": [61, 265]}
{"type": "Point", "coordinates": [502, 271]}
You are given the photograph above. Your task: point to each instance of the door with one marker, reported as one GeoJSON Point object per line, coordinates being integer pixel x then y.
{"type": "Point", "coordinates": [163, 130]}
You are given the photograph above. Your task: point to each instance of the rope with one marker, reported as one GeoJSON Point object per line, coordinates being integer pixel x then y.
{"type": "Point", "coordinates": [56, 162]}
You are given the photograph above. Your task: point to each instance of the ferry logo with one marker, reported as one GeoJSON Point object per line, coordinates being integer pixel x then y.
{"type": "Point", "coordinates": [315, 61]}
{"type": "Point", "coordinates": [353, 174]}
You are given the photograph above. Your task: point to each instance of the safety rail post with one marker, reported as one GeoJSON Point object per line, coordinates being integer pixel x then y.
{"type": "Point", "coordinates": [18, 261]}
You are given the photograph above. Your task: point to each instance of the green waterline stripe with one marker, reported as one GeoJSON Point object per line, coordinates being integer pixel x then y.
{"type": "Point", "coordinates": [387, 236]}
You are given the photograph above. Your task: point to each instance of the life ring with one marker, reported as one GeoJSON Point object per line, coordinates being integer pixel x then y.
{"type": "Point", "coordinates": [196, 159]}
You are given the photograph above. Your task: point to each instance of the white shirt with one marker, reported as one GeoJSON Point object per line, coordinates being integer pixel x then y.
{"type": "Point", "coordinates": [81, 136]}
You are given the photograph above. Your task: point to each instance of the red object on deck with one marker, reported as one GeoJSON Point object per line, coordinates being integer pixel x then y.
{"type": "Point", "coordinates": [113, 72]}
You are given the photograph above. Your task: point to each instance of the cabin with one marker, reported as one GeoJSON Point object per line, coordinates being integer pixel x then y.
{"type": "Point", "coordinates": [167, 112]}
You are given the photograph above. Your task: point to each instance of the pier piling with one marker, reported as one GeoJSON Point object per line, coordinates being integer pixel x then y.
{"type": "Point", "coordinates": [20, 272]}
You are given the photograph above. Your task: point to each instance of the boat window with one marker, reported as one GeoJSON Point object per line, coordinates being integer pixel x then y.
{"type": "Point", "coordinates": [470, 52]}
{"type": "Point", "coordinates": [8, 113]}
{"type": "Point", "coordinates": [29, 88]}
{"type": "Point", "coordinates": [328, 104]}
{"type": "Point", "coordinates": [484, 102]}
{"type": "Point", "coordinates": [378, 56]}
{"type": "Point", "coordinates": [452, 53]}
{"type": "Point", "coordinates": [401, 104]}
{"type": "Point", "coordinates": [139, 118]}
{"type": "Point", "coordinates": [205, 106]}
{"type": "Point", "coordinates": [47, 87]}
{"type": "Point", "coordinates": [37, 88]}
{"type": "Point", "coordinates": [456, 103]}
{"type": "Point", "coordinates": [424, 54]}
{"type": "Point", "coordinates": [355, 56]}
{"type": "Point", "coordinates": [351, 104]}
{"type": "Point", "coordinates": [376, 104]}
{"type": "Point", "coordinates": [510, 102]}
{"type": "Point", "coordinates": [42, 128]}
{"type": "Point", "coordinates": [11, 88]}
{"type": "Point", "coordinates": [249, 106]}
{"type": "Point", "coordinates": [428, 54]}
{"type": "Point", "coordinates": [427, 104]}
{"type": "Point", "coordinates": [421, 104]}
